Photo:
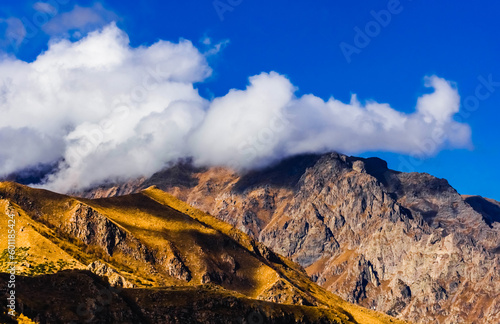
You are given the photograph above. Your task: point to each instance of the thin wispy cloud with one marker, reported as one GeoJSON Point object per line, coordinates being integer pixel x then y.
{"type": "Point", "coordinates": [49, 20]}
{"type": "Point", "coordinates": [45, 7]}
{"type": "Point", "coordinates": [79, 20]}
{"type": "Point", "coordinates": [213, 48]}
{"type": "Point", "coordinates": [14, 32]}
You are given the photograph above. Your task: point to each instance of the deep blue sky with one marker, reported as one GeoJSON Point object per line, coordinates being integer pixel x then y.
{"type": "Point", "coordinates": [456, 40]}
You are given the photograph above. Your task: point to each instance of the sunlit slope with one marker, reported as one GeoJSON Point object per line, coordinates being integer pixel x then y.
{"type": "Point", "coordinates": [207, 254]}
{"type": "Point", "coordinates": [154, 240]}
{"type": "Point", "coordinates": [36, 252]}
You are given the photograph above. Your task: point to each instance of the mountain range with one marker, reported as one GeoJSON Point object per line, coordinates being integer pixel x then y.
{"type": "Point", "coordinates": [313, 239]}
{"type": "Point", "coordinates": [406, 244]}
{"type": "Point", "coordinates": [148, 257]}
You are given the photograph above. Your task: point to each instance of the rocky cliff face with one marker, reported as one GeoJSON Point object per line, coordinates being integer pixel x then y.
{"type": "Point", "coordinates": [404, 243]}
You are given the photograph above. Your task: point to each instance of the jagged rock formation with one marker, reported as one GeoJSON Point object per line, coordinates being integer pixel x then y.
{"type": "Point", "coordinates": [113, 277]}
{"type": "Point", "coordinates": [404, 243]}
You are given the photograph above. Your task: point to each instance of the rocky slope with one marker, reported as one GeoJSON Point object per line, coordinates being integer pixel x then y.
{"type": "Point", "coordinates": [403, 243]}
{"type": "Point", "coordinates": [167, 262]}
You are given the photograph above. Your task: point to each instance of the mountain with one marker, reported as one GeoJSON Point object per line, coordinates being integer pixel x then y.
{"type": "Point", "coordinates": [151, 258]}
{"type": "Point", "coordinates": [406, 244]}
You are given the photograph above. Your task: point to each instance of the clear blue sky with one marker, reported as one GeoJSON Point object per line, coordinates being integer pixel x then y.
{"type": "Point", "coordinates": [456, 40]}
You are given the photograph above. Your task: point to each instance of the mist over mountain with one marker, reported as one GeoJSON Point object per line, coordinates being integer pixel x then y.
{"type": "Point", "coordinates": [105, 111]}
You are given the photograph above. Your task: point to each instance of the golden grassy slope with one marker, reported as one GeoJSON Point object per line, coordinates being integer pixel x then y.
{"type": "Point", "coordinates": [35, 253]}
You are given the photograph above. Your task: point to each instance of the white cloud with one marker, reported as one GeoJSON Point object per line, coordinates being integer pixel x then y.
{"type": "Point", "coordinates": [108, 111]}
{"type": "Point", "coordinates": [266, 122]}
{"type": "Point", "coordinates": [440, 105]}
{"type": "Point", "coordinates": [243, 127]}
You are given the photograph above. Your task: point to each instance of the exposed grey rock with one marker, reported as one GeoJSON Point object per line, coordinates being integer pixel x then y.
{"type": "Point", "coordinates": [114, 278]}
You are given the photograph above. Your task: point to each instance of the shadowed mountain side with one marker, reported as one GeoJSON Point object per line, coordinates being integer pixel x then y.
{"type": "Point", "coordinates": [488, 208]}
{"type": "Point", "coordinates": [285, 174]}
{"type": "Point", "coordinates": [34, 174]}
{"type": "Point", "coordinates": [180, 174]}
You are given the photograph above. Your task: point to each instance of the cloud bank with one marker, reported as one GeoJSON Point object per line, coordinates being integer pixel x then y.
{"type": "Point", "coordinates": [105, 111]}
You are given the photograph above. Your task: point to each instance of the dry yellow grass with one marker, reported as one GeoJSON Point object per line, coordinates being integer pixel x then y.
{"type": "Point", "coordinates": [32, 248]}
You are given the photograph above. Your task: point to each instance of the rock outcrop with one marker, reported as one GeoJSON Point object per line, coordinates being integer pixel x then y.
{"type": "Point", "coordinates": [90, 227]}
{"type": "Point", "coordinates": [113, 277]}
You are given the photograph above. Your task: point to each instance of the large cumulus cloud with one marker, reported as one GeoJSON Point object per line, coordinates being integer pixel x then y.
{"type": "Point", "coordinates": [105, 111]}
